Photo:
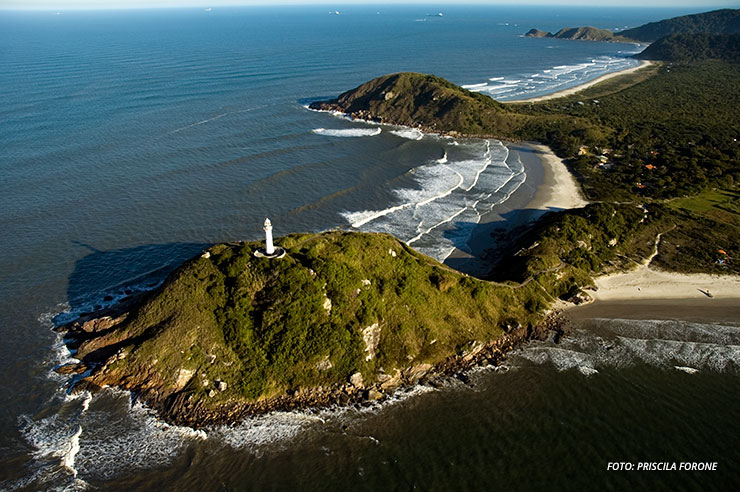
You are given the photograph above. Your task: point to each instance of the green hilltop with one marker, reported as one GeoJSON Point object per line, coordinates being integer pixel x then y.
{"type": "Point", "coordinates": [338, 304]}
{"type": "Point", "coordinates": [424, 101]}
{"type": "Point", "coordinates": [723, 21]}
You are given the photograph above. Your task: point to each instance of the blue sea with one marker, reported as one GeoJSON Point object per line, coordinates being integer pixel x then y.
{"type": "Point", "coordinates": [130, 140]}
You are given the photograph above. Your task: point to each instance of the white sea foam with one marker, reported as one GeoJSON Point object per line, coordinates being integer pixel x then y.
{"type": "Point", "coordinates": [348, 132]}
{"type": "Point", "coordinates": [687, 347]}
{"type": "Point", "coordinates": [258, 431]}
{"type": "Point", "coordinates": [551, 79]}
{"type": "Point", "coordinates": [410, 133]}
{"type": "Point", "coordinates": [473, 86]}
{"type": "Point", "coordinates": [451, 194]}
{"type": "Point", "coordinates": [72, 448]}
{"type": "Point", "coordinates": [129, 438]}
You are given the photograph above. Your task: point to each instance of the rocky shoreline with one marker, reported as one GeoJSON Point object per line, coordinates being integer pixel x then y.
{"type": "Point", "coordinates": [366, 116]}
{"type": "Point", "coordinates": [180, 408]}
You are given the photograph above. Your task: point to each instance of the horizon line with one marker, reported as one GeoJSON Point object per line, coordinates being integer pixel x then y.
{"type": "Point", "coordinates": [324, 3]}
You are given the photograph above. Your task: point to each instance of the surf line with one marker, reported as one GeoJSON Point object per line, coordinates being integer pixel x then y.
{"type": "Point", "coordinates": [473, 207]}
{"type": "Point", "coordinates": [381, 213]}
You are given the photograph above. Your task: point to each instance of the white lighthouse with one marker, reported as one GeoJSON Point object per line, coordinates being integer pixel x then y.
{"type": "Point", "coordinates": [269, 248]}
{"type": "Point", "coordinates": [269, 251]}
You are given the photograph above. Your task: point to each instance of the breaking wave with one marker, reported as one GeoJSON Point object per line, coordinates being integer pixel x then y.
{"type": "Point", "coordinates": [675, 345]}
{"type": "Point", "coordinates": [410, 133]}
{"type": "Point", "coordinates": [349, 132]}
{"type": "Point", "coordinates": [553, 79]}
{"type": "Point", "coordinates": [449, 198]}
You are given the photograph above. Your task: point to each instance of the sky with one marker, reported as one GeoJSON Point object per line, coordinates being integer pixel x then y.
{"type": "Point", "coordinates": [117, 4]}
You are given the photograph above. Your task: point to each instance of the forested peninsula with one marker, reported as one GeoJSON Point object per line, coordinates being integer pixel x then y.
{"type": "Point", "coordinates": [347, 317]}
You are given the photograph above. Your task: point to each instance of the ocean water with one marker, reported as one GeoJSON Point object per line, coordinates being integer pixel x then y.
{"type": "Point", "coordinates": [130, 140]}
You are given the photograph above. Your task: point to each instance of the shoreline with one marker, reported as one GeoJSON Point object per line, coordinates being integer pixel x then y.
{"type": "Point", "coordinates": [549, 186]}
{"type": "Point", "coordinates": [646, 293]}
{"type": "Point", "coordinates": [572, 90]}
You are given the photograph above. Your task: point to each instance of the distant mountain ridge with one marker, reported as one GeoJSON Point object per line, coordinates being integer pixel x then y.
{"type": "Point", "coordinates": [586, 33]}
{"type": "Point", "coordinates": [684, 48]}
{"type": "Point", "coordinates": [724, 21]}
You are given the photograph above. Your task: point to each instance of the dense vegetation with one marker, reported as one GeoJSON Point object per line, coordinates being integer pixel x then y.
{"type": "Point", "coordinates": [670, 135]}
{"type": "Point", "coordinates": [683, 48]}
{"type": "Point", "coordinates": [699, 234]}
{"type": "Point", "coordinates": [267, 326]}
{"type": "Point", "coordinates": [579, 243]}
{"type": "Point", "coordinates": [724, 21]}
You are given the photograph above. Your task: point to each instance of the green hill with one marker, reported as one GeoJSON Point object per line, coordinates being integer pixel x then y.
{"type": "Point", "coordinates": [683, 48]}
{"type": "Point", "coordinates": [341, 315]}
{"type": "Point", "coordinates": [423, 101]}
{"type": "Point", "coordinates": [725, 21]}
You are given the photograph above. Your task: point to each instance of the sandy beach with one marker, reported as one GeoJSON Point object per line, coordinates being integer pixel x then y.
{"type": "Point", "coordinates": [559, 190]}
{"type": "Point", "coordinates": [549, 187]}
{"type": "Point", "coordinates": [647, 293]}
{"type": "Point", "coordinates": [578, 88]}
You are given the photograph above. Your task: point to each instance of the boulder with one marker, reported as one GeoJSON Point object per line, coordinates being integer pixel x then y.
{"type": "Point", "coordinates": [356, 380]}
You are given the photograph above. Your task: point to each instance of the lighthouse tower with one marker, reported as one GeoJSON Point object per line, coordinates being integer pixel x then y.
{"type": "Point", "coordinates": [269, 251]}
{"type": "Point", "coordinates": [269, 248]}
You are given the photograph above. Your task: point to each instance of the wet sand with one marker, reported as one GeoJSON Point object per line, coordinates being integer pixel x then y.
{"type": "Point", "coordinates": [549, 186]}
{"type": "Point", "coordinates": [695, 309]}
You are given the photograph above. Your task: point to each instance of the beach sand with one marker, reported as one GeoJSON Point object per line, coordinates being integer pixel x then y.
{"type": "Point", "coordinates": [646, 293]}
{"type": "Point", "coordinates": [578, 88]}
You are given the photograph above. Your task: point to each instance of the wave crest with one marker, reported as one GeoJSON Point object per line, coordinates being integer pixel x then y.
{"type": "Point", "coordinates": [348, 132]}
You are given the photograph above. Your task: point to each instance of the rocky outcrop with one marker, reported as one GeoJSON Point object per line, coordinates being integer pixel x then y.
{"type": "Point", "coordinates": [586, 33]}
{"type": "Point", "coordinates": [229, 334]}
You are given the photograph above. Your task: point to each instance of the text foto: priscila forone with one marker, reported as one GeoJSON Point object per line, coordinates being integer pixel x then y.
{"type": "Point", "coordinates": [662, 466]}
